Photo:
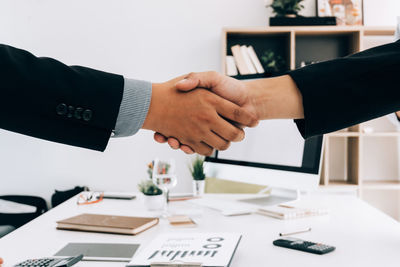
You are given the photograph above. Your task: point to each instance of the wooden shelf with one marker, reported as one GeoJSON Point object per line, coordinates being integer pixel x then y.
{"type": "Point", "coordinates": [381, 134]}
{"type": "Point", "coordinates": [379, 31]}
{"type": "Point", "coordinates": [381, 185]}
{"type": "Point", "coordinates": [384, 30]}
{"type": "Point", "coordinates": [343, 134]}
{"type": "Point", "coordinates": [341, 183]}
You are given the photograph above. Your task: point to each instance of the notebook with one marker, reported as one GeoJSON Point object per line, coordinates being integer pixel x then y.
{"type": "Point", "coordinates": [202, 249]}
{"type": "Point", "coordinates": [99, 251]}
{"type": "Point", "coordinates": [107, 224]}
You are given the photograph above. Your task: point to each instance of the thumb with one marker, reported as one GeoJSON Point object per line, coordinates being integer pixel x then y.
{"type": "Point", "coordinates": [187, 84]}
{"type": "Point", "coordinates": [208, 80]}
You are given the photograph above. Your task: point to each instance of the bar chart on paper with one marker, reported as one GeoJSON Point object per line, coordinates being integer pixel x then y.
{"type": "Point", "coordinates": [209, 249]}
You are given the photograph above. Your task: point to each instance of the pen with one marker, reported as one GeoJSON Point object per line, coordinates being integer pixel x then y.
{"type": "Point", "coordinates": [297, 232]}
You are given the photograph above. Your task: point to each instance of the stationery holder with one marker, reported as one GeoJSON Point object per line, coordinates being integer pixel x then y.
{"type": "Point", "coordinates": [176, 264]}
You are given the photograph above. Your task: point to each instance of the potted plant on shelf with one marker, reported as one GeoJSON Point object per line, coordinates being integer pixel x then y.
{"type": "Point", "coordinates": [153, 198]}
{"type": "Point", "coordinates": [272, 63]}
{"type": "Point", "coordinates": [286, 8]}
{"type": "Point", "coordinates": [287, 14]}
{"type": "Point", "coordinates": [197, 170]}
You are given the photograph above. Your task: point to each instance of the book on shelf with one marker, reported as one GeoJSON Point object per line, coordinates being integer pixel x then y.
{"type": "Point", "coordinates": [240, 62]}
{"type": "Point", "coordinates": [254, 58]}
{"type": "Point", "coordinates": [247, 60]}
{"type": "Point", "coordinates": [198, 249]}
{"type": "Point", "coordinates": [107, 224]}
{"type": "Point", "coordinates": [231, 69]}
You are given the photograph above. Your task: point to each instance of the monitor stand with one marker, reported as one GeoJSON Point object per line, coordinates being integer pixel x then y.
{"type": "Point", "coordinates": [274, 197]}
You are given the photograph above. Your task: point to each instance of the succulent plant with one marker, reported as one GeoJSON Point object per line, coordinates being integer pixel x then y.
{"type": "Point", "coordinates": [148, 188]}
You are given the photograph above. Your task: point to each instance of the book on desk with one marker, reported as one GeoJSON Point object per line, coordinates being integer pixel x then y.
{"type": "Point", "coordinates": [107, 224]}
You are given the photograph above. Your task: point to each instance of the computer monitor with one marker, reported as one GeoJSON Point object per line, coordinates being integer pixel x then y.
{"type": "Point", "coordinates": [272, 154]}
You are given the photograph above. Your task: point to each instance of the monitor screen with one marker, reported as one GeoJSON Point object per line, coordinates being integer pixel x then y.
{"type": "Point", "coordinates": [274, 144]}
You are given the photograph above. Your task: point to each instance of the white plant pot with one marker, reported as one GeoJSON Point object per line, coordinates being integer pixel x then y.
{"type": "Point", "coordinates": [198, 187]}
{"type": "Point", "coordinates": [154, 202]}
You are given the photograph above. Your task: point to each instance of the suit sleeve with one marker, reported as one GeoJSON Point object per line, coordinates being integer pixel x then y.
{"type": "Point", "coordinates": [350, 90]}
{"type": "Point", "coordinates": [46, 99]}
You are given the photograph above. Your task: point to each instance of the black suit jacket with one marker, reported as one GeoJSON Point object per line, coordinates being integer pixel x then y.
{"type": "Point", "coordinates": [347, 91]}
{"type": "Point", "coordinates": [44, 98]}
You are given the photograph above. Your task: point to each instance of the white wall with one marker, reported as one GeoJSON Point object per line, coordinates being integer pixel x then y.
{"type": "Point", "coordinates": [150, 39]}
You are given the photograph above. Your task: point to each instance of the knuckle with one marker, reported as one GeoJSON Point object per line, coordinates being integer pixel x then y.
{"type": "Point", "coordinates": [253, 119]}
{"type": "Point", "coordinates": [203, 118]}
{"type": "Point", "coordinates": [191, 75]}
{"type": "Point", "coordinates": [237, 113]}
{"type": "Point", "coordinates": [206, 95]}
{"type": "Point", "coordinates": [212, 99]}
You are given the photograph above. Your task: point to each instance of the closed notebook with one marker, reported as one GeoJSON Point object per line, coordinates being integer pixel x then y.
{"type": "Point", "coordinates": [107, 224]}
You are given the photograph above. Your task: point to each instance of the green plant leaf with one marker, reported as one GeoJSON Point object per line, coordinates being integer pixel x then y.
{"type": "Point", "coordinates": [197, 169]}
{"type": "Point", "coordinates": [148, 188]}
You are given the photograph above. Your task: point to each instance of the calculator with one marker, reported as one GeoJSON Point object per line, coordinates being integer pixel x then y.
{"type": "Point", "coordinates": [50, 262]}
{"type": "Point", "coordinates": [307, 246]}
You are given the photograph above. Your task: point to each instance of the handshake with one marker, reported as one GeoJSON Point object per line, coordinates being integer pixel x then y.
{"type": "Point", "coordinates": [201, 112]}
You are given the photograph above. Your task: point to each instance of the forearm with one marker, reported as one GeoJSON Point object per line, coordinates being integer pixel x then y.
{"type": "Point", "coordinates": [276, 98]}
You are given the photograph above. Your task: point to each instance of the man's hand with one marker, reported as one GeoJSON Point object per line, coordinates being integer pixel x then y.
{"type": "Point", "coordinates": [224, 86]}
{"type": "Point", "coordinates": [273, 98]}
{"type": "Point", "coordinates": [196, 118]}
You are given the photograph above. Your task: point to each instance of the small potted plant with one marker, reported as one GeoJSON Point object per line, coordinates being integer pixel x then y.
{"type": "Point", "coordinates": [272, 63]}
{"type": "Point", "coordinates": [153, 198]}
{"type": "Point", "coordinates": [285, 8]}
{"type": "Point", "coordinates": [197, 170]}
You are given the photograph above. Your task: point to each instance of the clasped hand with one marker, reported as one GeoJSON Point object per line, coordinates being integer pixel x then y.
{"type": "Point", "coordinates": [187, 114]}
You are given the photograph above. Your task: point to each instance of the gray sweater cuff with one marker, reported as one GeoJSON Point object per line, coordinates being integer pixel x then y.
{"type": "Point", "coordinates": [134, 107]}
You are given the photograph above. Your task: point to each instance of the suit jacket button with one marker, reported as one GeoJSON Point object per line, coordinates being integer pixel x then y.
{"type": "Point", "coordinates": [61, 109]}
{"type": "Point", "coordinates": [78, 113]}
{"type": "Point", "coordinates": [87, 115]}
{"type": "Point", "coordinates": [71, 110]}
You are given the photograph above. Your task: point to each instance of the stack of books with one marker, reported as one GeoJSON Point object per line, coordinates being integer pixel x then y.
{"type": "Point", "coordinates": [244, 61]}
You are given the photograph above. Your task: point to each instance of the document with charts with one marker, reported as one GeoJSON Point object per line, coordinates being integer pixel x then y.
{"type": "Point", "coordinates": [209, 249]}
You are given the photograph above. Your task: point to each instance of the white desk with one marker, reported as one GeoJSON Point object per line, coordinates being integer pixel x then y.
{"type": "Point", "coordinates": [363, 236]}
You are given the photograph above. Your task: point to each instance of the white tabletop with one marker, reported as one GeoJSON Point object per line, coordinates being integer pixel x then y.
{"type": "Point", "coordinates": [363, 236]}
